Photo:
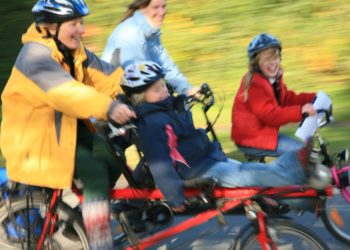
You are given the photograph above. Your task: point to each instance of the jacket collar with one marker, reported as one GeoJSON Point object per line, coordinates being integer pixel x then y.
{"type": "Point", "coordinates": [260, 77]}
{"type": "Point", "coordinates": [162, 106]}
{"type": "Point", "coordinates": [142, 21]}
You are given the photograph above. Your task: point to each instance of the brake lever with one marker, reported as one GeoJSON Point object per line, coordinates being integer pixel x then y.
{"type": "Point", "coordinates": [120, 131]}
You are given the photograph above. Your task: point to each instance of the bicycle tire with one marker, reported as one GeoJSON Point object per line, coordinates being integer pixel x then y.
{"type": "Point", "coordinates": [335, 214]}
{"type": "Point", "coordinates": [287, 235]}
{"type": "Point", "coordinates": [69, 230]}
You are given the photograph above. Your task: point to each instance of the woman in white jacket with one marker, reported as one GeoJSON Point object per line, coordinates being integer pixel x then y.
{"type": "Point", "coordinates": [138, 38]}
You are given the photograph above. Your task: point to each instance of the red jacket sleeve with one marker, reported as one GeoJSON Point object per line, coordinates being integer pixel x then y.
{"type": "Point", "coordinates": [262, 102]}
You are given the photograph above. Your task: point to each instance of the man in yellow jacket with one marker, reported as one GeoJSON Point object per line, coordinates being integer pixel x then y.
{"type": "Point", "coordinates": [55, 86]}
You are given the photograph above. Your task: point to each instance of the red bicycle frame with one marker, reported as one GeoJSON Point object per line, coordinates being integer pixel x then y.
{"type": "Point", "coordinates": [233, 198]}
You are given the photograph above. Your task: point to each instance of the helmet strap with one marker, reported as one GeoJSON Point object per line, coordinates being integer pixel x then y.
{"type": "Point", "coordinates": [58, 29]}
{"type": "Point", "coordinates": [37, 27]}
{"type": "Point", "coordinates": [67, 56]}
{"type": "Point", "coordinates": [67, 53]}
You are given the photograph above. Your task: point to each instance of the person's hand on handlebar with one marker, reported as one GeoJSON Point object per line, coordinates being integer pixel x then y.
{"type": "Point", "coordinates": [194, 91]}
{"type": "Point", "coordinates": [120, 112]}
{"type": "Point", "coordinates": [308, 109]}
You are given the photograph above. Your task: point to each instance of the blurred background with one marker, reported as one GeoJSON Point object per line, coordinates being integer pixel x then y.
{"type": "Point", "coordinates": [208, 40]}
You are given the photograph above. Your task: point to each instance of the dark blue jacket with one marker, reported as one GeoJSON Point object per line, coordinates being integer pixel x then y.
{"type": "Point", "coordinates": [173, 148]}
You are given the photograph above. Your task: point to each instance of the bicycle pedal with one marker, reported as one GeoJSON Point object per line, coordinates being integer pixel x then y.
{"type": "Point", "coordinates": [130, 234]}
{"type": "Point", "coordinates": [270, 205]}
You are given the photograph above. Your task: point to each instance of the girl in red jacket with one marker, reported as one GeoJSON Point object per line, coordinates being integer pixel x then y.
{"type": "Point", "coordinates": [263, 103]}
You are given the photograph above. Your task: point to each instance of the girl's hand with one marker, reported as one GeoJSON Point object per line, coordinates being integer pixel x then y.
{"type": "Point", "coordinates": [308, 108]}
{"type": "Point", "coordinates": [194, 91]}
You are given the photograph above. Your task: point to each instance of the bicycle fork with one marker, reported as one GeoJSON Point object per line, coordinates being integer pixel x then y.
{"type": "Point", "coordinates": [258, 218]}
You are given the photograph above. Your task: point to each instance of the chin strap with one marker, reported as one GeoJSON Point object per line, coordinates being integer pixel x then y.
{"type": "Point", "coordinates": [67, 55]}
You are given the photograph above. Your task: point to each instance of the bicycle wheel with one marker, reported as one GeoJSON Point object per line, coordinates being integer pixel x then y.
{"type": "Point", "coordinates": [286, 234]}
{"type": "Point", "coordinates": [335, 214]}
{"type": "Point", "coordinates": [69, 231]}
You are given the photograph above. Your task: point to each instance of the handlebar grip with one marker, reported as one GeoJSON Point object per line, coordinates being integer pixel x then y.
{"type": "Point", "coordinates": [205, 89]}
{"type": "Point", "coordinates": [328, 114]}
{"type": "Point", "coordinates": [304, 115]}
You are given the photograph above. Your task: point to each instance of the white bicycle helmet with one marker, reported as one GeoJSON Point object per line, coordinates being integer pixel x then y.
{"type": "Point", "coordinates": [138, 76]}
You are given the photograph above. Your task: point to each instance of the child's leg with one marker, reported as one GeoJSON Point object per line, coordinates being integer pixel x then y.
{"type": "Point", "coordinates": [285, 170]}
{"type": "Point", "coordinates": [287, 144]}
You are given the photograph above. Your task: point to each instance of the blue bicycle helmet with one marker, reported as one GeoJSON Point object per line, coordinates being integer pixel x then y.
{"type": "Point", "coordinates": [261, 42]}
{"type": "Point", "coordinates": [58, 11]}
{"type": "Point", "coordinates": [139, 76]}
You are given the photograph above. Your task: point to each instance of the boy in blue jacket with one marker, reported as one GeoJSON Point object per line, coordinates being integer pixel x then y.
{"type": "Point", "coordinates": [175, 150]}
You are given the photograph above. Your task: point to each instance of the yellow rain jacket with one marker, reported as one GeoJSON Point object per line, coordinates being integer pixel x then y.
{"type": "Point", "coordinates": [41, 103]}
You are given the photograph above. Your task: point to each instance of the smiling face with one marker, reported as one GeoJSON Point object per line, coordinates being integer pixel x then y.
{"type": "Point", "coordinates": [70, 33]}
{"type": "Point", "coordinates": [155, 12]}
{"type": "Point", "coordinates": [269, 62]}
{"type": "Point", "coordinates": [157, 92]}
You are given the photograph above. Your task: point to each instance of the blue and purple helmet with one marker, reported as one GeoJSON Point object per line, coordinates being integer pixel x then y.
{"type": "Point", "coordinates": [138, 76]}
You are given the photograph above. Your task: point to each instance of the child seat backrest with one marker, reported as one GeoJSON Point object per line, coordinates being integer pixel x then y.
{"type": "Point", "coordinates": [141, 176]}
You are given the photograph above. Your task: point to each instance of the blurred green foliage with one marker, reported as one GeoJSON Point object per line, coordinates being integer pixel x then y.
{"type": "Point", "coordinates": [15, 17]}
{"type": "Point", "coordinates": [208, 40]}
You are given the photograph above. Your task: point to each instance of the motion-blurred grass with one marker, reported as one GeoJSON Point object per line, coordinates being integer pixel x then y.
{"type": "Point", "coordinates": [208, 39]}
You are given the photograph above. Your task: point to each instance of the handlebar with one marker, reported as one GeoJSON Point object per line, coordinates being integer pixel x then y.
{"type": "Point", "coordinates": [205, 97]}
{"type": "Point", "coordinates": [328, 114]}
{"type": "Point", "coordinates": [116, 130]}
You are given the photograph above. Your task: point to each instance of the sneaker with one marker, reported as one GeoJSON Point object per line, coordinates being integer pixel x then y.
{"type": "Point", "coordinates": [318, 176]}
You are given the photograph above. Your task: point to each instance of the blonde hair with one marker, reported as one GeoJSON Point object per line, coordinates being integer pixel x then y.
{"type": "Point", "coordinates": [134, 6]}
{"type": "Point", "coordinates": [253, 67]}
{"type": "Point", "coordinates": [137, 98]}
